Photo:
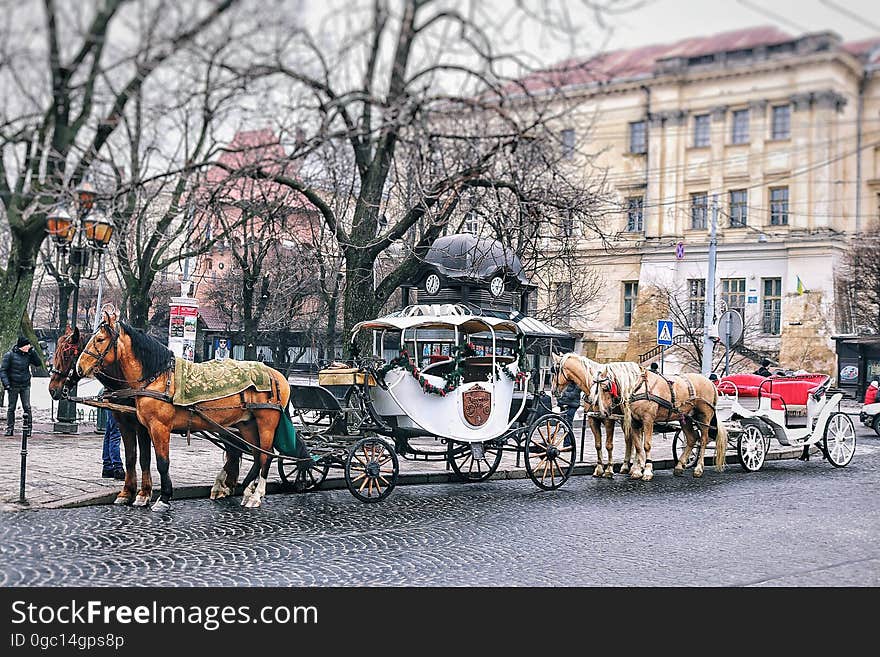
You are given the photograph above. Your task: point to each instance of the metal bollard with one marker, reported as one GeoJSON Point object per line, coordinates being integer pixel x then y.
{"type": "Point", "coordinates": [25, 434]}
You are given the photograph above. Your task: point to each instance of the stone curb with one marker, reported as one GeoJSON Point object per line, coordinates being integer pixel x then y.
{"type": "Point", "coordinates": [410, 479]}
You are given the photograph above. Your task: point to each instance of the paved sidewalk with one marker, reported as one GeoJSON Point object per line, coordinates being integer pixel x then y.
{"type": "Point", "coordinates": [64, 470]}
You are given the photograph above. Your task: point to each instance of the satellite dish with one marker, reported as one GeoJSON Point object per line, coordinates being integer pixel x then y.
{"type": "Point", "coordinates": [730, 327]}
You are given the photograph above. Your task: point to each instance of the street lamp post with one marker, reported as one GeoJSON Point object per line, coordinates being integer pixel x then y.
{"type": "Point", "coordinates": [80, 243]}
{"type": "Point", "coordinates": [709, 312]}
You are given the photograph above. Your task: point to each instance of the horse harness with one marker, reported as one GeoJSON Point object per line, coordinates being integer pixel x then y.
{"type": "Point", "coordinates": [670, 404]}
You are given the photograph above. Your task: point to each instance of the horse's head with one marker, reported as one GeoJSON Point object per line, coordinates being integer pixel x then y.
{"type": "Point", "coordinates": [605, 392]}
{"type": "Point", "coordinates": [63, 372]}
{"type": "Point", "coordinates": [560, 372]}
{"type": "Point", "coordinates": [101, 350]}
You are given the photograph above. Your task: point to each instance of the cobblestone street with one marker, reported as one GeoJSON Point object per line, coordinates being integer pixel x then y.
{"type": "Point", "coordinates": [792, 523]}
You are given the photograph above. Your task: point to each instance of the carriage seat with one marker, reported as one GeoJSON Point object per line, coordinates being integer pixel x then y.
{"type": "Point", "coordinates": [791, 396]}
{"type": "Point", "coordinates": [746, 384]}
{"type": "Point", "coordinates": [475, 368]}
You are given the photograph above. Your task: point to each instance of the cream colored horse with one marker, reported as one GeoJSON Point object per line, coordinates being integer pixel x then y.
{"type": "Point", "coordinates": [580, 370]}
{"type": "Point", "coordinates": [646, 397]}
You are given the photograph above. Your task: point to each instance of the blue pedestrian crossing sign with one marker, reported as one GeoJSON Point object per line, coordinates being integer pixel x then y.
{"type": "Point", "coordinates": [664, 332]}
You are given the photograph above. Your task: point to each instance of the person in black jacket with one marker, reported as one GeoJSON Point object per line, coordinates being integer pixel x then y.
{"type": "Point", "coordinates": [569, 400]}
{"type": "Point", "coordinates": [764, 369]}
{"type": "Point", "coordinates": [15, 373]}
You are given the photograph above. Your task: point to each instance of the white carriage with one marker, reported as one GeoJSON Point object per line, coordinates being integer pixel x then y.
{"type": "Point", "coordinates": [441, 384]}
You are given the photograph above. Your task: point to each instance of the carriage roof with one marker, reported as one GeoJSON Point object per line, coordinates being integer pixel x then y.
{"type": "Point", "coordinates": [438, 317]}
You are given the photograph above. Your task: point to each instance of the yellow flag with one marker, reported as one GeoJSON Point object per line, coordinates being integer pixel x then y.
{"type": "Point", "coordinates": [800, 286]}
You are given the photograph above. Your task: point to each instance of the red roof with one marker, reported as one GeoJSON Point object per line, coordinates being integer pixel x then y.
{"type": "Point", "coordinates": [866, 49]}
{"type": "Point", "coordinates": [638, 62]}
{"type": "Point", "coordinates": [642, 62]}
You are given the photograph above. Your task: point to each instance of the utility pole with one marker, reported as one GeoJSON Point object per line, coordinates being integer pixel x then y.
{"type": "Point", "coordinates": [709, 314]}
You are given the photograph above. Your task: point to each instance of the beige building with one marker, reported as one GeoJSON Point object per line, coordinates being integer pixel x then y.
{"type": "Point", "coordinates": [783, 131]}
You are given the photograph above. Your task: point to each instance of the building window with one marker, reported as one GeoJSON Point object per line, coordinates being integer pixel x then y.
{"type": "Point", "coordinates": [471, 224]}
{"type": "Point", "coordinates": [740, 134]}
{"type": "Point", "coordinates": [701, 130]}
{"type": "Point", "coordinates": [699, 206]}
{"type": "Point", "coordinates": [630, 293]}
{"type": "Point", "coordinates": [696, 301]}
{"type": "Point", "coordinates": [733, 293]}
{"type": "Point", "coordinates": [779, 206]}
{"type": "Point", "coordinates": [780, 126]}
{"type": "Point", "coordinates": [634, 214]}
{"type": "Point", "coordinates": [638, 137]}
{"type": "Point", "coordinates": [562, 299]}
{"type": "Point", "coordinates": [568, 143]}
{"type": "Point", "coordinates": [772, 305]}
{"type": "Point", "coordinates": [566, 228]}
{"type": "Point", "coordinates": [739, 209]}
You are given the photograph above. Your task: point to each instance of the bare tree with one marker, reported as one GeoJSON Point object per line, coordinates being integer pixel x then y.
{"type": "Point", "coordinates": [65, 89]}
{"type": "Point", "coordinates": [858, 283]}
{"type": "Point", "coordinates": [412, 110]}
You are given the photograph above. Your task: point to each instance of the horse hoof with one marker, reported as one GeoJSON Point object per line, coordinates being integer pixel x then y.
{"type": "Point", "coordinates": [635, 474]}
{"type": "Point", "coordinates": [122, 500]}
{"type": "Point", "coordinates": [698, 473]}
{"type": "Point", "coordinates": [141, 500]}
{"type": "Point", "coordinates": [253, 502]}
{"type": "Point", "coordinates": [624, 469]}
{"type": "Point", "coordinates": [609, 472]}
{"type": "Point", "coordinates": [678, 471]}
{"type": "Point", "coordinates": [648, 476]}
{"type": "Point", "coordinates": [598, 471]}
{"type": "Point", "coordinates": [219, 493]}
{"type": "Point", "coordinates": [161, 506]}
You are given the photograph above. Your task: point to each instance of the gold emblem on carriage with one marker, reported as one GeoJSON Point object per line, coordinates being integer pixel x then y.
{"type": "Point", "coordinates": [477, 405]}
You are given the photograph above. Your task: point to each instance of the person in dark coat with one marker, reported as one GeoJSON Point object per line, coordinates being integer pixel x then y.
{"type": "Point", "coordinates": [763, 370]}
{"type": "Point", "coordinates": [569, 401]}
{"type": "Point", "coordinates": [15, 374]}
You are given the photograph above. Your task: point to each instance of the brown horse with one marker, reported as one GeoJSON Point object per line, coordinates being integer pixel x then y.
{"type": "Point", "coordinates": [580, 370]}
{"type": "Point", "coordinates": [63, 375]}
{"type": "Point", "coordinates": [647, 397]}
{"type": "Point", "coordinates": [146, 365]}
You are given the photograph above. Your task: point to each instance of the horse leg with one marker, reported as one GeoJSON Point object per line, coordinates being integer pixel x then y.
{"type": "Point", "coordinates": [639, 459]}
{"type": "Point", "coordinates": [648, 432]}
{"type": "Point", "coordinates": [704, 440]}
{"type": "Point", "coordinates": [597, 436]}
{"type": "Point", "coordinates": [689, 440]}
{"type": "Point", "coordinates": [227, 478]}
{"type": "Point", "coordinates": [144, 447]}
{"type": "Point", "coordinates": [129, 443]}
{"type": "Point", "coordinates": [250, 432]}
{"type": "Point", "coordinates": [161, 435]}
{"type": "Point", "coordinates": [627, 455]}
{"type": "Point", "coordinates": [267, 422]}
{"type": "Point", "coordinates": [609, 447]}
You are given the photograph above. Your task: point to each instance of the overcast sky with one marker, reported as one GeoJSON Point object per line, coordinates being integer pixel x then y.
{"type": "Point", "coordinates": [663, 21]}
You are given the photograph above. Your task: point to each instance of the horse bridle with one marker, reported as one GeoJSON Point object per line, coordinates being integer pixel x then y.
{"type": "Point", "coordinates": [99, 358]}
{"type": "Point", "coordinates": [68, 347]}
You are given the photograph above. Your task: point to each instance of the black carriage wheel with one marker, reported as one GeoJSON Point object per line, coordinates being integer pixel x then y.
{"type": "Point", "coordinates": [371, 470]}
{"type": "Point", "coordinates": [469, 467]}
{"type": "Point", "coordinates": [550, 452]}
{"type": "Point", "coordinates": [679, 443]}
{"type": "Point", "coordinates": [302, 477]}
{"type": "Point", "coordinates": [839, 439]}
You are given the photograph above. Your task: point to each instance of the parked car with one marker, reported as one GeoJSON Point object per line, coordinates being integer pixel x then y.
{"type": "Point", "coordinates": [870, 416]}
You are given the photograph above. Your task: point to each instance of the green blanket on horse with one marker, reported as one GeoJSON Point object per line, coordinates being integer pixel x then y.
{"type": "Point", "coordinates": [215, 379]}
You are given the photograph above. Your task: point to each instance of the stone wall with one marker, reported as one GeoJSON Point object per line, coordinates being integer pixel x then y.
{"type": "Point", "coordinates": [651, 305]}
{"type": "Point", "coordinates": [808, 323]}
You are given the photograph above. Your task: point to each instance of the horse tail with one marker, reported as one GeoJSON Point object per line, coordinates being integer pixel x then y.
{"type": "Point", "coordinates": [720, 442]}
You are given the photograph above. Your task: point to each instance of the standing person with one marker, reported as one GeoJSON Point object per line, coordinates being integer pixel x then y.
{"type": "Point", "coordinates": [655, 368]}
{"type": "Point", "coordinates": [110, 452]}
{"type": "Point", "coordinates": [15, 373]}
{"type": "Point", "coordinates": [569, 401]}
{"type": "Point", "coordinates": [872, 392]}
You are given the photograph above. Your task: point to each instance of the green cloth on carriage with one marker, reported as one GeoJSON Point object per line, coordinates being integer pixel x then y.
{"type": "Point", "coordinates": [215, 379]}
{"type": "Point", "coordinates": [285, 438]}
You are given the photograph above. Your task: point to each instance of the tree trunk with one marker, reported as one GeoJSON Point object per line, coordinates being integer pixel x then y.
{"type": "Point", "coordinates": [16, 282]}
{"type": "Point", "coordinates": [359, 303]}
{"type": "Point", "coordinates": [139, 308]}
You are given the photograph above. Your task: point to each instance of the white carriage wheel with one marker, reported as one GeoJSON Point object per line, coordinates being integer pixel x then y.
{"type": "Point", "coordinates": [751, 448]}
{"type": "Point", "coordinates": [839, 441]}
